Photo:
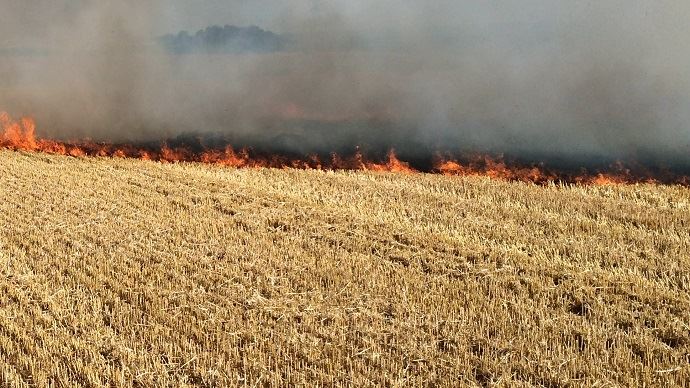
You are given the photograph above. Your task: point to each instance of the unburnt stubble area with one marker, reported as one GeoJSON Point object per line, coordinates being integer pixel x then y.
{"type": "Point", "coordinates": [125, 272]}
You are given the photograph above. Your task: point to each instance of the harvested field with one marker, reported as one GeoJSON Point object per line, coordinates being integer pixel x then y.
{"type": "Point", "coordinates": [120, 272]}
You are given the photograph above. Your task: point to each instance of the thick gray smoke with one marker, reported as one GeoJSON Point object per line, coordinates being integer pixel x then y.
{"type": "Point", "coordinates": [568, 80]}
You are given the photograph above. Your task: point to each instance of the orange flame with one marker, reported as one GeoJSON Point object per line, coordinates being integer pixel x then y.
{"type": "Point", "coordinates": [21, 135]}
{"type": "Point", "coordinates": [18, 135]}
{"type": "Point", "coordinates": [493, 168]}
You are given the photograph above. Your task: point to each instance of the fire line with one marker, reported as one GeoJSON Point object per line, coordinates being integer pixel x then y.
{"type": "Point", "coordinates": [20, 135]}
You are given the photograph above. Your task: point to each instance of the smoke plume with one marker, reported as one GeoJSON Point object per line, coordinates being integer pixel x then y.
{"type": "Point", "coordinates": [569, 82]}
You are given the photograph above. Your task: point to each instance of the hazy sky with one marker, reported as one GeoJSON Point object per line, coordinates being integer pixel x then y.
{"type": "Point", "coordinates": [43, 23]}
{"type": "Point", "coordinates": [34, 19]}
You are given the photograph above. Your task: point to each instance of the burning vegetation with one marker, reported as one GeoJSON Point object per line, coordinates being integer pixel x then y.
{"type": "Point", "coordinates": [21, 135]}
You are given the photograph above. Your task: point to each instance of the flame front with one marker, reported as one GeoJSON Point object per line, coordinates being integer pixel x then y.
{"type": "Point", "coordinates": [21, 136]}
{"type": "Point", "coordinates": [18, 135]}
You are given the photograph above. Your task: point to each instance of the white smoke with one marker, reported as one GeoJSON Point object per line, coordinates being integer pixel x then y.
{"type": "Point", "coordinates": [576, 80]}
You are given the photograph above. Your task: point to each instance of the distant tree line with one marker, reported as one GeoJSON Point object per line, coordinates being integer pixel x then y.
{"type": "Point", "coordinates": [226, 39]}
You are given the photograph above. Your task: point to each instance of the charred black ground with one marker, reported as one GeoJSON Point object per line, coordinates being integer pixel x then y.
{"type": "Point", "coordinates": [283, 151]}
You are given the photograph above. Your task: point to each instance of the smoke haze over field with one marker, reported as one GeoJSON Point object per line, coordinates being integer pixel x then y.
{"type": "Point", "coordinates": [224, 40]}
{"type": "Point", "coordinates": [535, 77]}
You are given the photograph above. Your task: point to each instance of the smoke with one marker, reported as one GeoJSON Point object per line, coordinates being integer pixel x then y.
{"type": "Point", "coordinates": [536, 79]}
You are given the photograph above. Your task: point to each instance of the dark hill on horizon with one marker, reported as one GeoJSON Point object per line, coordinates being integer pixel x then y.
{"type": "Point", "coordinates": [226, 39]}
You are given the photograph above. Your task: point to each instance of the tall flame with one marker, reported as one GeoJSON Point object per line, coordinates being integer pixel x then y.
{"type": "Point", "coordinates": [18, 135]}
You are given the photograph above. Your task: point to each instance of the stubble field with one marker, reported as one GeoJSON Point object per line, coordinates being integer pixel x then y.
{"type": "Point", "coordinates": [131, 273]}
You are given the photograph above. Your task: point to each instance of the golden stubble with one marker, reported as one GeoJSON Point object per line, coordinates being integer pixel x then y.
{"type": "Point", "coordinates": [120, 272]}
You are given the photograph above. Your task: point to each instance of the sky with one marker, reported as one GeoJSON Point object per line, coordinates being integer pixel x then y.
{"type": "Point", "coordinates": [32, 20]}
